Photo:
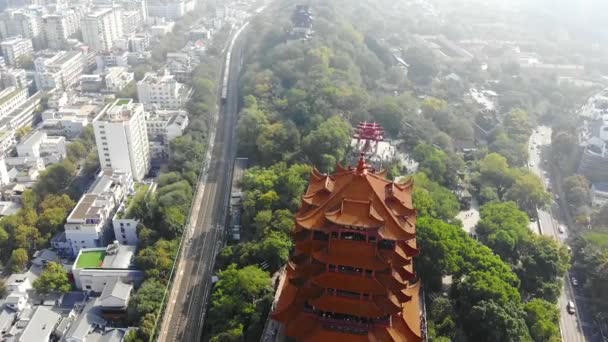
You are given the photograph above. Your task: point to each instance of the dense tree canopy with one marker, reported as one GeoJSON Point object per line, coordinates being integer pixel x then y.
{"type": "Point", "coordinates": [54, 278]}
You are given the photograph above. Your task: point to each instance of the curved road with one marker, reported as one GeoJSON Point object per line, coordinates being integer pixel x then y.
{"type": "Point", "coordinates": [186, 305]}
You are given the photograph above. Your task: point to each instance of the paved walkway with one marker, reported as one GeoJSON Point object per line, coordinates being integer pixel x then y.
{"type": "Point", "coordinates": [469, 217]}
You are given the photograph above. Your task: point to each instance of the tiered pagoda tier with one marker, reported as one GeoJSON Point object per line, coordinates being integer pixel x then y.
{"type": "Point", "coordinates": [351, 276]}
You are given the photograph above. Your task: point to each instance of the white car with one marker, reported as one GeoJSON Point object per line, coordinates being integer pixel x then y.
{"type": "Point", "coordinates": [561, 229]}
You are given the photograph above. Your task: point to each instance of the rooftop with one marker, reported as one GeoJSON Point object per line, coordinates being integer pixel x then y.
{"type": "Point", "coordinates": [8, 94]}
{"type": "Point", "coordinates": [91, 258]}
{"type": "Point", "coordinates": [64, 57]}
{"type": "Point", "coordinates": [115, 289]}
{"type": "Point", "coordinates": [115, 256]}
{"type": "Point", "coordinates": [41, 325]}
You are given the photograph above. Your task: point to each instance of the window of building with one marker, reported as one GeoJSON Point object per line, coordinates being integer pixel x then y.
{"type": "Point", "coordinates": [386, 244]}
{"type": "Point", "coordinates": [318, 235]}
{"type": "Point", "coordinates": [353, 236]}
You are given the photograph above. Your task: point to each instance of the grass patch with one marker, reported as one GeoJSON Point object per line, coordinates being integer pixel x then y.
{"type": "Point", "coordinates": [91, 259]}
{"type": "Point", "coordinates": [122, 102]}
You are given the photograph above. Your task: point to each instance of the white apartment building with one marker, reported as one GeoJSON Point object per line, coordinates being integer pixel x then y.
{"type": "Point", "coordinates": [162, 91]}
{"type": "Point", "coordinates": [116, 261]}
{"type": "Point", "coordinates": [102, 27]}
{"type": "Point", "coordinates": [23, 115]}
{"type": "Point", "coordinates": [16, 48]}
{"type": "Point", "coordinates": [131, 21]}
{"type": "Point", "coordinates": [112, 59]}
{"type": "Point", "coordinates": [60, 71]}
{"type": "Point", "coordinates": [58, 27]}
{"type": "Point", "coordinates": [117, 78]}
{"type": "Point", "coordinates": [68, 121]}
{"type": "Point", "coordinates": [120, 135]}
{"type": "Point", "coordinates": [166, 124]}
{"type": "Point", "coordinates": [22, 22]}
{"type": "Point", "coordinates": [39, 144]}
{"type": "Point", "coordinates": [13, 78]}
{"type": "Point", "coordinates": [139, 42]}
{"type": "Point", "coordinates": [86, 226]}
{"type": "Point", "coordinates": [11, 98]}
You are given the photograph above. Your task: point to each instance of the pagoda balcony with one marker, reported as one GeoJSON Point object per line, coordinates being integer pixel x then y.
{"type": "Point", "coordinates": [347, 320]}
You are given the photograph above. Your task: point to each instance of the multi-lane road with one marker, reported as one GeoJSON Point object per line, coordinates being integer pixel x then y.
{"type": "Point", "coordinates": [570, 325]}
{"type": "Point", "coordinates": [186, 303]}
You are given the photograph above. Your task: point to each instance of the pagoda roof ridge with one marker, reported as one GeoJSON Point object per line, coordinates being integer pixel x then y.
{"type": "Point", "coordinates": [345, 213]}
{"type": "Point", "coordinates": [351, 184]}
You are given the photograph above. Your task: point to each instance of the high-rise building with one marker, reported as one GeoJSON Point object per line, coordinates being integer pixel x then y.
{"type": "Point", "coordinates": [23, 22]}
{"type": "Point", "coordinates": [102, 27]}
{"type": "Point", "coordinates": [351, 277]}
{"type": "Point", "coordinates": [59, 26]}
{"type": "Point", "coordinates": [122, 140]}
{"type": "Point", "coordinates": [16, 49]}
{"type": "Point", "coordinates": [61, 70]}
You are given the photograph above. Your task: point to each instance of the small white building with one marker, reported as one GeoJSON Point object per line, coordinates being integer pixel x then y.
{"type": "Point", "coordinates": [94, 268]}
{"type": "Point", "coordinates": [86, 226]}
{"type": "Point", "coordinates": [18, 282]}
{"type": "Point", "coordinates": [38, 144]}
{"type": "Point", "coordinates": [68, 121]}
{"type": "Point", "coordinates": [117, 78]}
{"type": "Point", "coordinates": [40, 326]}
{"type": "Point", "coordinates": [162, 91]}
{"type": "Point", "coordinates": [115, 296]}
{"type": "Point", "coordinates": [162, 127]}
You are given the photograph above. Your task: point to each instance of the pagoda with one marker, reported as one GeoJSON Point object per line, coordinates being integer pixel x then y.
{"type": "Point", "coordinates": [351, 276]}
{"type": "Point", "coordinates": [370, 133]}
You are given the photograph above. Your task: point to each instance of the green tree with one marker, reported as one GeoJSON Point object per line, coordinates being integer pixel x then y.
{"type": "Point", "coordinates": [173, 221]}
{"type": "Point", "coordinates": [503, 228]}
{"type": "Point", "coordinates": [495, 171]}
{"type": "Point", "coordinates": [542, 318]}
{"type": "Point", "coordinates": [331, 138]}
{"type": "Point", "coordinates": [19, 259]}
{"type": "Point", "coordinates": [157, 260]}
{"type": "Point", "coordinates": [236, 295]}
{"type": "Point", "coordinates": [493, 321]}
{"type": "Point", "coordinates": [76, 151]}
{"type": "Point", "coordinates": [54, 278]}
{"type": "Point", "coordinates": [148, 299]}
{"type": "Point", "coordinates": [541, 267]}
{"type": "Point", "coordinates": [528, 192]}
{"type": "Point", "coordinates": [577, 191]}
{"type": "Point", "coordinates": [186, 154]}
{"type": "Point", "coordinates": [55, 178]}
{"type": "Point", "coordinates": [422, 63]}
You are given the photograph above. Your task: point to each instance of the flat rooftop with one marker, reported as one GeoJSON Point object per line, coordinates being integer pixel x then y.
{"type": "Point", "coordinates": [65, 56]}
{"type": "Point", "coordinates": [84, 206]}
{"type": "Point", "coordinates": [91, 259]}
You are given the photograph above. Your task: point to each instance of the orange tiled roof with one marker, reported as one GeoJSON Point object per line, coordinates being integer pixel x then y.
{"type": "Point", "coordinates": [361, 198]}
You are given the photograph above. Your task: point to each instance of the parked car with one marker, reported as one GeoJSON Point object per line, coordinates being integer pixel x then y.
{"type": "Point", "coordinates": [570, 307]}
{"type": "Point", "coordinates": [574, 282]}
{"type": "Point", "coordinates": [561, 229]}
